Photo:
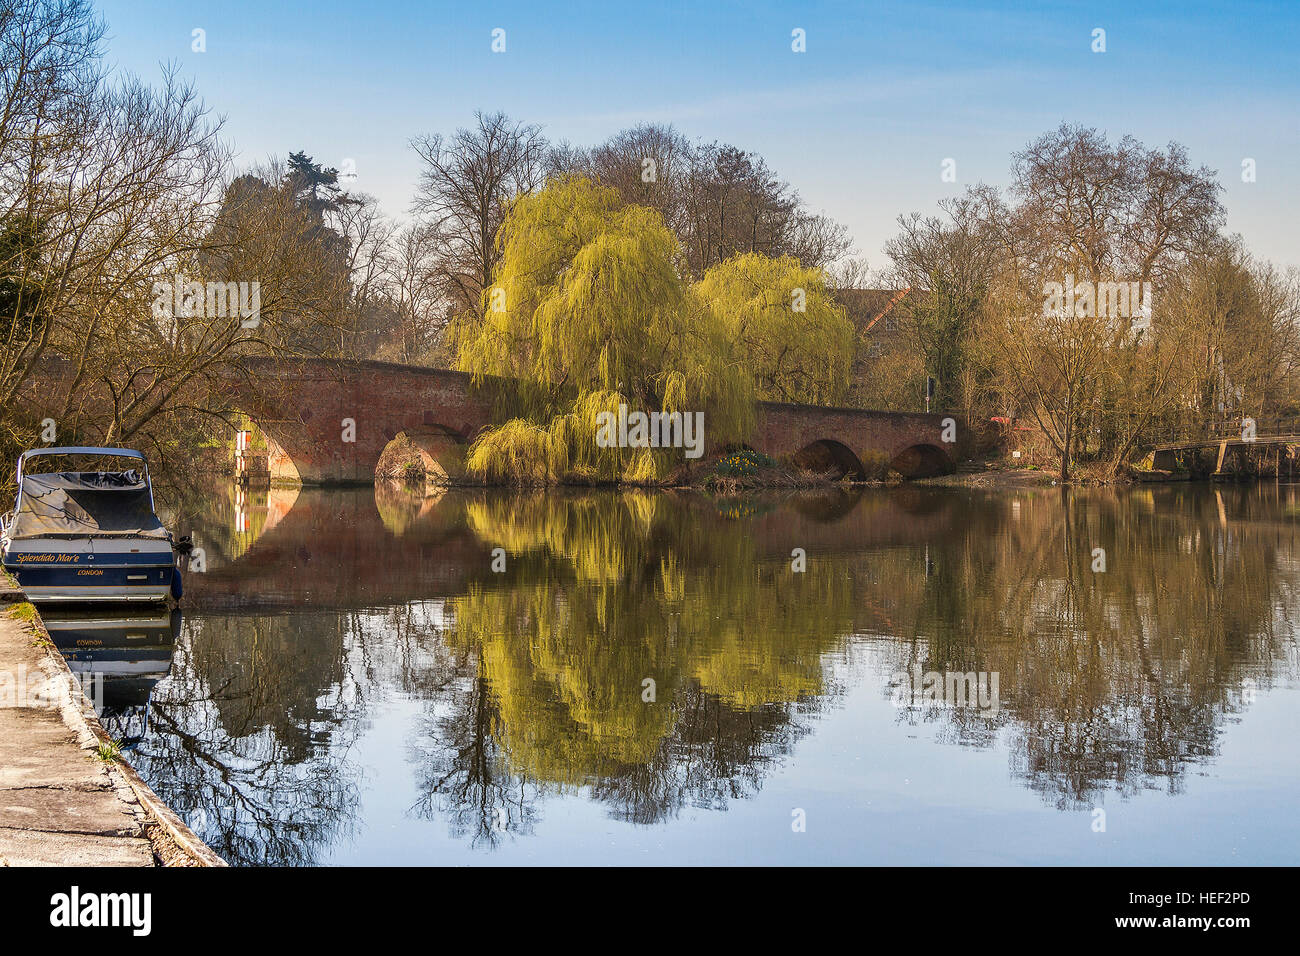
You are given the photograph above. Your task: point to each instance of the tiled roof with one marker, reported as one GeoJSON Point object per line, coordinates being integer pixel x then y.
{"type": "Point", "coordinates": [866, 307]}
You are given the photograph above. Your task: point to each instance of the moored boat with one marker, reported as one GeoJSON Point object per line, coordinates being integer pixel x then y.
{"type": "Point", "coordinates": [87, 536]}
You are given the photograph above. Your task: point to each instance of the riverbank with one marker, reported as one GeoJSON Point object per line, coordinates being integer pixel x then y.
{"type": "Point", "coordinates": [67, 796]}
{"type": "Point", "coordinates": [746, 471]}
{"type": "Point", "coordinates": [997, 475]}
{"type": "Point", "coordinates": [1011, 479]}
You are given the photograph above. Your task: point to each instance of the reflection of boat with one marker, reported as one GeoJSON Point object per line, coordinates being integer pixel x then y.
{"type": "Point", "coordinates": [118, 658]}
{"type": "Point", "coordinates": [87, 535]}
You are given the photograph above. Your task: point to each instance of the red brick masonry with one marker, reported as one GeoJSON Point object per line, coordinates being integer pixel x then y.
{"type": "Point", "coordinates": [309, 408]}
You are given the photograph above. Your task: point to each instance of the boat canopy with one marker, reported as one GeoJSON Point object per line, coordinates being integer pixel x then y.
{"type": "Point", "coordinates": [93, 450]}
{"type": "Point", "coordinates": [81, 504]}
{"type": "Point", "coordinates": [83, 450]}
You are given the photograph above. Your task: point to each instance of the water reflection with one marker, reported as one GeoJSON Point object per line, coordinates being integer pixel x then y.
{"type": "Point", "coordinates": [252, 732]}
{"type": "Point", "coordinates": [656, 653]}
{"type": "Point", "coordinates": [118, 656]}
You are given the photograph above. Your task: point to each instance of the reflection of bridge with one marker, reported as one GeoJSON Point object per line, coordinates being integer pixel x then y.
{"type": "Point", "coordinates": [354, 548]}
{"type": "Point", "coordinates": [329, 421]}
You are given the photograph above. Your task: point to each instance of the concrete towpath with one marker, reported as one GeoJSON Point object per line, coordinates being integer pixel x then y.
{"type": "Point", "coordinates": [60, 804]}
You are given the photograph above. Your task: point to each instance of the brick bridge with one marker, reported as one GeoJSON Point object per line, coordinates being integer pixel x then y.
{"type": "Point", "coordinates": [307, 408]}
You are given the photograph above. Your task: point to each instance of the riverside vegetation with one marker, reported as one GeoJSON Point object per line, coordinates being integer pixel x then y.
{"type": "Point", "coordinates": [649, 270]}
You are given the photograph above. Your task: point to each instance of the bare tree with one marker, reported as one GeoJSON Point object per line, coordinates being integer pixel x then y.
{"type": "Point", "coordinates": [815, 239]}
{"type": "Point", "coordinates": [465, 185]}
{"type": "Point", "coordinates": [121, 233]}
{"type": "Point", "coordinates": [415, 290]}
{"type": "Point", "coordinates": [50, 61]}
{"type": "Point", "coordinates": [1086, 210]}
{"type": "Point", "coordinates": [367, 234]}
{"type": "Point", "coordinates": [719, 200]}
{"type": "Point", "coordinates": [129, 192]}
{"type": "Point", "coordinates": [648, 165]}
{"type": "Point", "coordinates": [1237, 320]}
{"type": "Point", "coordinates": [948, 264]}
{"type": "Point", "coordinates": [1108, 211]}
{"type": "Point", "coordinates": [265, 230]}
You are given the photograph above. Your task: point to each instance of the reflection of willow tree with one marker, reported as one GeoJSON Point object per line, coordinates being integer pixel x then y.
{"type": "Point", "coordinates": [1119, 679]}
{"type": "Point", "coordinates": [251, 733]}
{"type": "Point", "coordinates": [600, 595]}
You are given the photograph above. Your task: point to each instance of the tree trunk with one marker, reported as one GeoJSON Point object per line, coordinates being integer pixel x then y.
{"type": "Point", "coordinates": [1067, 447]}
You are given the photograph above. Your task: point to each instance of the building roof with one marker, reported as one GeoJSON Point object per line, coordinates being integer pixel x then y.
{"type": "Point", "coordinates": [866, 307]}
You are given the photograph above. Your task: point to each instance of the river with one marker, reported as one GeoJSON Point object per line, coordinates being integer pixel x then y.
{"type": "Point", "coordinates": [887, 676]}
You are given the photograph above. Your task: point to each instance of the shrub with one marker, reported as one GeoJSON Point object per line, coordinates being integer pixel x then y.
{"type": "Point", "coordinates": [744, 463]}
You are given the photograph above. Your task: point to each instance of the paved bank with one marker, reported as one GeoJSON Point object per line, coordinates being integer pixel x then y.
{"type": "Point", "coordinates": [61, 803]}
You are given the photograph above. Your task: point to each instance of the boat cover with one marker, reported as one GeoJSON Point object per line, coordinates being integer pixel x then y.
{"type": "Point", "coordinates": [84, 504]}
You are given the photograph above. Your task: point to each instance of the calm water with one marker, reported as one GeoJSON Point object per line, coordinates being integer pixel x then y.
{"type": "Point", "coordinates": [352, 682]}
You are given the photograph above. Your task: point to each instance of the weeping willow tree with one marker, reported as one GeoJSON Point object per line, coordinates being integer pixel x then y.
{"type": "Point", "coordinates": [590, 311]}
{"type": "Point", "coordinates": [797, 340]}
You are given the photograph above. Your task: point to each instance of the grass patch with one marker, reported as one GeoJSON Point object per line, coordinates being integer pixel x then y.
{"type": "Point", "coordinates": [108, 751]}
{"type": "Point", "coordinates": [24, 612]}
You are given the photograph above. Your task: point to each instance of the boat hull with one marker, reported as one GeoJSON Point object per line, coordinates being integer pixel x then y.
{"type": "Point", "coordinates": [74, 572]}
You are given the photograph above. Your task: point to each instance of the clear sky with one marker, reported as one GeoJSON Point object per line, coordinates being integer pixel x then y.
{"type": "Point", "coordinates": [860, 123]}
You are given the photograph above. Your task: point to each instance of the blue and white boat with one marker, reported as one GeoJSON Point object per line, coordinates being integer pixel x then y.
{"type": "Point", "coordinates": [87, 536]}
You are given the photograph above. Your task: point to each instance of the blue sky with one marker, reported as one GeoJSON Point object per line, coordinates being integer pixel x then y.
{"type": "Point", "coordinates": [860, 123]}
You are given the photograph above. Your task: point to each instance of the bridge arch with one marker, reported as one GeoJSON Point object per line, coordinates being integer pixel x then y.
{"type": "Point", "coordinates": [329, 421]}
{"type": "Point", "coordinates": [828, 455]}
{"type": "Point", "coordinates": [921, 461]}
{"type": "Point", "coordinates": [282, 437]}
{"type": "Point", "coordinates": [438, 451]}
{"type": "Point", "coordinates": [914, 444]}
